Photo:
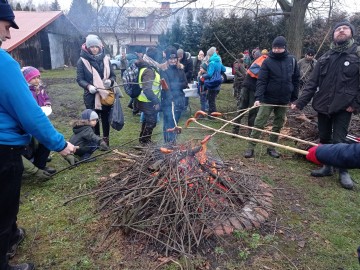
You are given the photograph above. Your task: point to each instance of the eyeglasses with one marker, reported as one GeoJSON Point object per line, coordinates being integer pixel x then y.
{"type": "Point", "coordinates": [344, 28]}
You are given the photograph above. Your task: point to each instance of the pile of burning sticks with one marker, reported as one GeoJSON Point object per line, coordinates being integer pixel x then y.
{"type": "Point", "coordinates": [177, 197]}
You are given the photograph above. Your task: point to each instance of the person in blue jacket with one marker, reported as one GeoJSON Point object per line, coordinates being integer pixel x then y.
{"type": "Point", "coordinates": [215, 67]}
{"type": "Point", "coordinates": [340, 155]}
{"type": "Point", "coordinates": [20, 118]}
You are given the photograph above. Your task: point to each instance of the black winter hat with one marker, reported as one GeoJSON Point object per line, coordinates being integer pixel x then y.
{"type": "Point", "coordinates": [310, 52]}
{"type": "Point", "coordinates": [171, 52]}
{"type": "Point", "coordinates": [6, 14]}
{"type": "Point", "coordinates": [344, 23]}
{"type": "Point", "coordinates": [279, 41]}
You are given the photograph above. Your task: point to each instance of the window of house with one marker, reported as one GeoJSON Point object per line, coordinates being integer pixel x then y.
{"type": "Point", "coordinates": [132, 23]}
{"type": "Point", "coordinates": [141, 23]}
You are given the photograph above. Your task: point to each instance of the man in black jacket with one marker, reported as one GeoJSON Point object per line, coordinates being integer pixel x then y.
{"type": "Point", "coordinates": [334, 87]}
{"type": "Point", "coordinates": [276, 86]}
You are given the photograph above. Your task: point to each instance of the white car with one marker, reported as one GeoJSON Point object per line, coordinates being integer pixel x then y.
{"type": "Point", "coordinates": [115, 63]}
{"type": "Point", "coordinates": [227, 75]}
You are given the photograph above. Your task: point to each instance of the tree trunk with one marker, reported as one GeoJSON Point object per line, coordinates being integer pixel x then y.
{"type": "Point", "coordinates": [295, 24]}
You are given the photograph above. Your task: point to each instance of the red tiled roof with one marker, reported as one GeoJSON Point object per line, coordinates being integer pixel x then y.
{"type": "Point", "coordinates": [29, 24]}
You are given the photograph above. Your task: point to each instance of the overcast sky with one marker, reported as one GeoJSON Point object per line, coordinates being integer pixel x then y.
{"type": "Point", "coordinates": [349, 5]}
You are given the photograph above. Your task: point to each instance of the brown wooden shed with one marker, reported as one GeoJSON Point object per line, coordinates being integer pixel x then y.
{"type": "Point", "coordinates": [45, 40]}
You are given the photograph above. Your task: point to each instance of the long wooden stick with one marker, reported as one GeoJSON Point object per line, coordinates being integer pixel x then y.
{"type": "Point", "coordinates": [292, 149]}
{"type": "Point", "coordinates": [265, 131]}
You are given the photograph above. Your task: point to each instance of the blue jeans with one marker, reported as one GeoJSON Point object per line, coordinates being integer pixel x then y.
{"type": "Point", "coordinates": [11, 169]}
{"type": "Point", "coordinates": [169, 123]}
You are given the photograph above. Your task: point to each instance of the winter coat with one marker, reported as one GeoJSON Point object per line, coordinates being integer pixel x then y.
{"type": "Point", "coordinates": [240, 73]}
{"type": "Point", "coordinates": [197, 67]}
{"type": "Point", "coordinates": [306, 67]}
{"type": "Point", "coordinates": [148, 77]}
{"type": "Point", "coordinates": [334, 84]}
{"type": "Point", "coordinates": [188, 66]}
{"type": "Point", "coordinates": [85, 77]}
{"type": "Point", "coordinates": [278, 80]}
{"type": "Point", "coordinates": [341, 155]}
{"type": "Point", "coordinates": [123, 63]}
{"type": "Point", "coordinates": [249, 82]}
{"type": "Point", "coordinates": [83, 136]}
{"type": "Point", "coordinates": [215, 65]}
{"type": "Point", "coordinates": [176, 80]}
{"type": "Point", "coordinates": [40, 95]}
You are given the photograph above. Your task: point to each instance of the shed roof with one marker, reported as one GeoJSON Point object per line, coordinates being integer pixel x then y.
{"type": "Point", "coordinates": [30, 23]}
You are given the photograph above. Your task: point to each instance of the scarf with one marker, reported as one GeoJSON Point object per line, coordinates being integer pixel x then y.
{"type": "Point", "coordinates": [341, 47]}
{"type": "Point", "coordinates": [98, 83]}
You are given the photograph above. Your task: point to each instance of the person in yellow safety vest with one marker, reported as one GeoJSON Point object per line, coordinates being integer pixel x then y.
{"type": "Point", "coordinates": [149, 98]}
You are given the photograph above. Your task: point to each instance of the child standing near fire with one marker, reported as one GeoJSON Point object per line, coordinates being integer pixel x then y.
{"type": "Point", "coordinates": [37, 151]}
{"type": "Point", "coordinates": [202, 91]}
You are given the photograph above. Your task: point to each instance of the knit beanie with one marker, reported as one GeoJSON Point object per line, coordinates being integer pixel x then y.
{"type": "Point", "coordinates": [279, 42]}
{"type": "Point", "coordinates": [171, 52]}
{"type": "Point", "coordinates": [6, 14]}
{"type": "Point", "coordinates": [204, 66]}
{"type": "Point", "coordinates": [89, 114]}
{"type": "Point", "coordinates": [211, 51]}
{"type": "Point", "coordinates": [344, 23]}
{"type": "Point", "coordinates": [310, 52]}
{"type": "Point", "coordinates": [30, 73]}
{"type": "Point", "coordinates": [93, 40]}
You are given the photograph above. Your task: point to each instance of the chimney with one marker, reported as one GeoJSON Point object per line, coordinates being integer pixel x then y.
{"type": "Point", "coordinates": [165, 5]}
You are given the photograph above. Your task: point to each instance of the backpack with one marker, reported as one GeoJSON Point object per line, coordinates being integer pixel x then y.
{"type": "Point", "coordinates": [255, 67]}
{"type": "Point", "coordinates": [131, 81]}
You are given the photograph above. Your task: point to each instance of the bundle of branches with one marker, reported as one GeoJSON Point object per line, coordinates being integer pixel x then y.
{"type": "Point", "coordinates": [176, 197]}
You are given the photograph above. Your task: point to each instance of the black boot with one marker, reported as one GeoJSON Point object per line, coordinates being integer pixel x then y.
{"type": "Point", "coordinates": [249, 153]}
{"type": "Point", "coordinates": [235, 129]}
{"type": "Point", "coordinates": [106, 140]}
{"type": "Point", "coordinates": [345, 179]}
{"type": "Point", "coordinates": [272, 153]}
{"type": "Point", "coordinates": [323, 171]}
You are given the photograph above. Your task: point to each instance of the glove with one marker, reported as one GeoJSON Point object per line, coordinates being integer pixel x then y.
{"type": "Point", "coordinates": [107, 83]}
{"type": "Point", "coordinates": [92, 89]}
{"type": "Point", "coordinates": [311, 156]}
{"type": "Point", "coordinates": [71, 159]}
{"type": "Point", "coordinates": [103, 146]}
{"type": "Point", "coordinates": [42, 175]}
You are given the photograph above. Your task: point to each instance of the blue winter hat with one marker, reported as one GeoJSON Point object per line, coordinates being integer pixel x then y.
{"type": "Point", "coordinates": [6, 14]}
{"type": "Point", "coordinates": [89, 114]}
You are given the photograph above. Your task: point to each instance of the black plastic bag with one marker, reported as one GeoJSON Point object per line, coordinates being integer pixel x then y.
{"type": "Point", "coordinates": [116, 118]}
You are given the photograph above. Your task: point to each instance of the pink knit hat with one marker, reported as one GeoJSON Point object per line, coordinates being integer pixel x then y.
{"type": "Point", "coordinates": [30, 73]}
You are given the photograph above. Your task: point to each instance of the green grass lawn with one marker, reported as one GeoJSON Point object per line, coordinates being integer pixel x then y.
{"type": "Point", "coordinates": [314, 225]}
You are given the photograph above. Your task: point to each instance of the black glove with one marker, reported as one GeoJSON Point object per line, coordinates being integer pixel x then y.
{"type": "Point", "coordinates": [71, 159]}
{"type": "Point", "coordinates": [42, 175]}
{"type": "Point", "coordinates": [103, 146]}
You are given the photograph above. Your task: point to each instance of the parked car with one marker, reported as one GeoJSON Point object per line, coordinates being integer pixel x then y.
{"type": "Point", "coordinates": [115, 63]}
{"type": "Point", "coordinates": [227, 75]}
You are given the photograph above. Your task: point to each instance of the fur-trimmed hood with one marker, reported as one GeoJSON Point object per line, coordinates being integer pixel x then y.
{"type": "Point", "coordinates": [80, 123]}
